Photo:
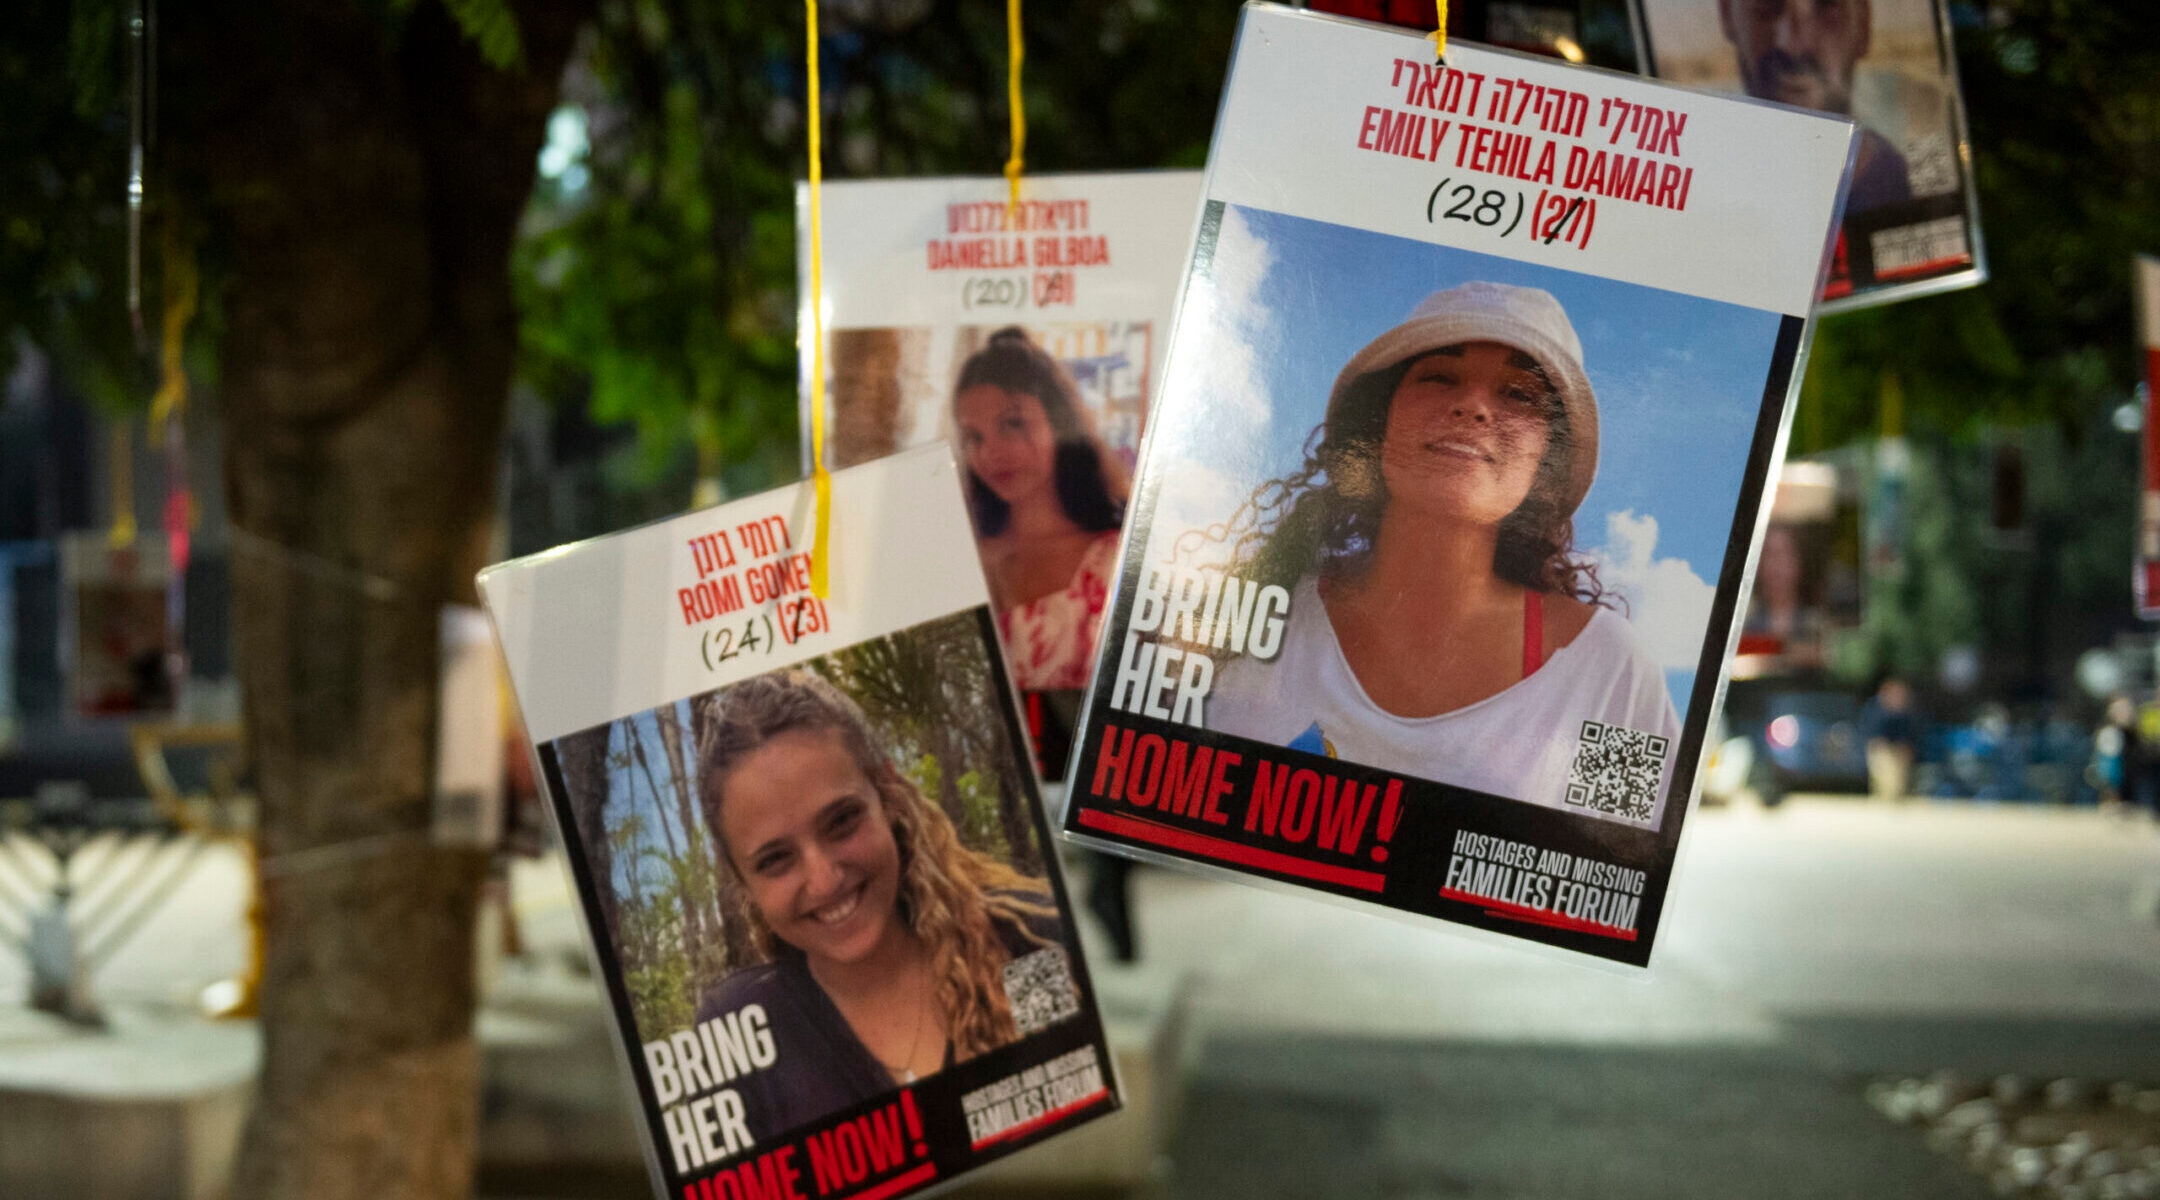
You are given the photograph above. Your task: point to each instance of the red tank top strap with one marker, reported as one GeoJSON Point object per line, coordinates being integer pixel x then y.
{"type": "Point", "coordinates": [1533, 631]}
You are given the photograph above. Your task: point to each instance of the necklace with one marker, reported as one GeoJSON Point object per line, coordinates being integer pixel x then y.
{"type": "Point", "coordinates": [905, 1072]}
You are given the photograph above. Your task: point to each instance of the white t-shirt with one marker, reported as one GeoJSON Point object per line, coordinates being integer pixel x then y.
{"type": "Point", "coordinates": [1520, 743]}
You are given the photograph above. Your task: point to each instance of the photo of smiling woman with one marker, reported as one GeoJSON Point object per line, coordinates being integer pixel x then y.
{"type": "Point", "coordinates": [1047, 498]}
{"type": "Point", "coordinates": [1442, 623]}
{"type": "Point", "coordinates": [843, 863]}
{"type": "Point", "coordinates": [880, 942]}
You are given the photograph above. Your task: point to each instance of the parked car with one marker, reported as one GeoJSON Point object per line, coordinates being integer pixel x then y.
{"type": "Point", "coordinates": [1797, 738]}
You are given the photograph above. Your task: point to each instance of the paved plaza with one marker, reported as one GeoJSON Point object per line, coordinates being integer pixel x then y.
{"type": "Point", "coordinates": [1330, 1052]}
{"type": "Point", "coordinates": [1809, 950]}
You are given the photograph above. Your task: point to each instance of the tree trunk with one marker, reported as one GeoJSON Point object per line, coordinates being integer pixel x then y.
{"type": "Point", "coordinates": [734, 933]}
{"type": "Point", "coordinates": [364, 177]}
{"type": "Point", "coordinates": [678, 855]}
{"type": "Point", "coordinates": [697, 864]}
{"type": "Point", "coordinates": [982, 737]}
{"type": "Point", "coordinates": [945, 749]}
{"type": "Point", "coordinates": [1015, 819]}
{"type": "Point", "coordinates": [582, 758]}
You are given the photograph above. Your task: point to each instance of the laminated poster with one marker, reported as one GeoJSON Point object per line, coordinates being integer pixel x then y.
{"type": "Point", "coordinates": [470, 798]}
{"type": "Point", "coordinates": [1031, 338]}
{"type": "Point", "coordinates": [2147, 585]}
{"type": "Point", "coordinates": [1548, 27]}
{"type": "Point", "coordinates": [1479, 373]}
{"type": "Point", "coordinates": [808, 848]}
{"type": "Point", "coordinates": [1912, 224]}
{"type": "Point", "coordinates": [117, 634]}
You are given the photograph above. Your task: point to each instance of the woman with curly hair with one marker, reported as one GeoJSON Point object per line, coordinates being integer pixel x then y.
{"type": "Point", "coordinates": [1442, 624]}
{"type": "Point", "coordinates": [884, 939]}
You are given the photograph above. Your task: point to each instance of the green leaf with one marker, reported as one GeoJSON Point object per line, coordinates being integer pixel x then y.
{"type": "Point", "coordinates": [493, 29]}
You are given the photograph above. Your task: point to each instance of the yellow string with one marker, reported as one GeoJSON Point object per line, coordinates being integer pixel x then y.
{"type": "Point", "coordinates": [821, 479]}
{"type": "Point", "coordinates": [122, 533]}
{"type": "Point", "coordinates": [1017, 53]}
{"type": "Point", "coordinates": [180, 295]}
{"type": "Point", "coordinates": [1439, 36]}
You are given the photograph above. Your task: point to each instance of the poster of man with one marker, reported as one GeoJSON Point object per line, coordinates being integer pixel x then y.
{"type": "Point", "coordinates": [1910, 222]}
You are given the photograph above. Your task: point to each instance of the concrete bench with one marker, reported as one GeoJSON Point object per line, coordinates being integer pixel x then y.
{"type": "Point", "coordinates": [150, 1109]}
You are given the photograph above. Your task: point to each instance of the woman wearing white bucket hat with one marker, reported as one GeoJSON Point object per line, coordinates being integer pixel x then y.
{"type": "Point", "coordinates": [1441, 623]}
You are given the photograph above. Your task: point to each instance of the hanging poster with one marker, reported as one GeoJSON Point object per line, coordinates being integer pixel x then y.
{"type": "Point", "coordinates": [1807, 577]}
{"type": "Point", "coordinates": [808, 847]}
{"type": "Point", "coordinates": [1031, 339]}
{"type": "Point", "coordinates": [1911, 224]}
{"type": "Point", "coordinates": [2148, 564]}
{"type": "Point", "coordinates": [1445, 513]}
{"type": "Point", "coordinates": [117, 640]}
{"type": "Point", "coordinates": [469, 753]}
{"type": "Point", "coordinates": [1548, 27]}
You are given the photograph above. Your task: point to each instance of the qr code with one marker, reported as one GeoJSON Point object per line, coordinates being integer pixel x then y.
{"type": "Point", "coordinates": [1616, 770]}
{"type": "Point", "coordinates": [1040, 988]}
{"type": "Point", "coordinates": [1931, 166]}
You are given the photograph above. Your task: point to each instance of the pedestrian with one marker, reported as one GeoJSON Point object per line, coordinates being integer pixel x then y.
{"type": "Point", "coordinates": [2141, 784]}
{"type": "Point", "coordinates": [1892, 734]}
{"type": "Point", "coordinates": [2112, 751]}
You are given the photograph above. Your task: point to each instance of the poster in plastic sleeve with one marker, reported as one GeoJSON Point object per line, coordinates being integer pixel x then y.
{"type": "Point", "coordinates": [470, 795]}
{"type": "Point", "coordinates": [1029, 337]}
{"type": "Point", "coordinates": [118, 644]}
{"type": "Point", "coordinates": [1457, 476]}
{"type": "Point", "coordinates": [1552, 28]}
{"type": "Point", "coordinates": [807, 844]}
{"type": "Point", "coordinates": [1911, 224]}
{"type": "Point", "coordinates": [2148, 553]}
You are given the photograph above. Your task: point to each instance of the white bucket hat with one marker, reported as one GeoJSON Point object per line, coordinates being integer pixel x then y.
{"type": "Point", "coordinates": [1524, 318]}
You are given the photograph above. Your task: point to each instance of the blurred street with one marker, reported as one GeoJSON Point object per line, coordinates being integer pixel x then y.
{"type": "Point", "coordinates": [1819, 913]}
{"type": "Point", "coordinates": [1324, 1052]}
{"type": "Point", "coordinates": [1810, 949]}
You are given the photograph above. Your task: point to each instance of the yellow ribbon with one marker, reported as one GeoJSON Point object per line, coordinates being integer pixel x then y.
{"type": "Point", "coordinates": [122, 533]}
{"type": "Point", "coordinates": [180, 295]}
{"type": "Point", "coordinates": [1017, 52]}
{"type": "Point", "coordinates": [1439, 36]}
{"type": "Point", "coordinates": [821, 479]}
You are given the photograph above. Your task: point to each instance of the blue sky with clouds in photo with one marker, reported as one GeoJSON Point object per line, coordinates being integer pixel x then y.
{"type": "Point", "coordinates": [1679, 383]}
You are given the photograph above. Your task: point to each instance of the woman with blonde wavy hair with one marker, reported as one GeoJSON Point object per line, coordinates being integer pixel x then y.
{"type": "Point", "coordinates": [884, 939]}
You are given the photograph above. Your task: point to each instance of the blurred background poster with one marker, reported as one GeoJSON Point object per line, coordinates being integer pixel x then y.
{"type": "Point", "coordinates": [2148, 564]}
{"type": "Point", "coordinates": [118, 646]}
{"type": "Point", "coordinates": [1029, 336]}
{"type": "Point", "coordinates": [1553, 29]}
{"type": "Point", "coordinates": [1910, 220]}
